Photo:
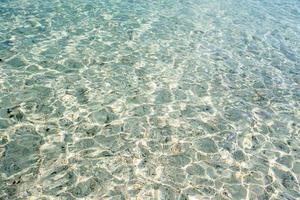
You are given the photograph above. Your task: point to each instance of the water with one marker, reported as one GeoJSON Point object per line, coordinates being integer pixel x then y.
{"type": "Point", "coordinates": [136, 99]}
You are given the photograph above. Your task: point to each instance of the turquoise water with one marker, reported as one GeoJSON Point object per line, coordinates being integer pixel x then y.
{"type": "Point", "coordinates": [137, 99]}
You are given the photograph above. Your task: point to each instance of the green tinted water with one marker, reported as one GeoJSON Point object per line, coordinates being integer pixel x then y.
{"type": "Point", "coordinates": [137, 99]}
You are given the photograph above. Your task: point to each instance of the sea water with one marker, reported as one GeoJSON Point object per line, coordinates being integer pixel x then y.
{"type": "Point", "coordinates": [139, 99]}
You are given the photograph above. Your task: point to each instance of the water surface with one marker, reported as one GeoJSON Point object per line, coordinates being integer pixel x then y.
{"type": "Point", "coordinates": [137, 99]}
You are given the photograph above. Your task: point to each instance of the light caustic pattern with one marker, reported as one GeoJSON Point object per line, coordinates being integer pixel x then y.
{"type": "Point", "coordinates": [137, 99]}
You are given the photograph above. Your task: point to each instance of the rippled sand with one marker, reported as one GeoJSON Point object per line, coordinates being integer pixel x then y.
{"type": "Point", "coordinates": [137, 99]}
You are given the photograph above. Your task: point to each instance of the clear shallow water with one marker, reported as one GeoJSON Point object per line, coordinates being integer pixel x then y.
{"type": "Point", "coordinates": [150, 100]}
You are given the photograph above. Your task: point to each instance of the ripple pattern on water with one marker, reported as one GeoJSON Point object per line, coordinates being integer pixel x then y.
{"type": "Point", "coordinates": [136, 99]}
